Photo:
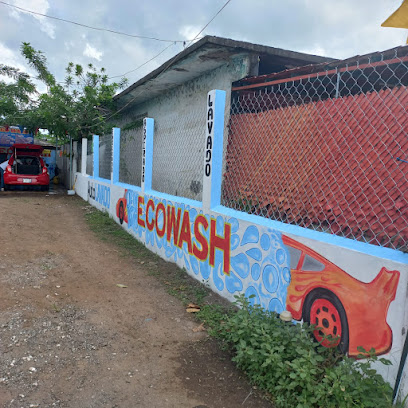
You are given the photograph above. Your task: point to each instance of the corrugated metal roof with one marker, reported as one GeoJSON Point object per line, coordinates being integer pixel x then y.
{"type": "Point", "coordinates": [358, 60]}
{"type": "Point", "coordinates": [203, 56]}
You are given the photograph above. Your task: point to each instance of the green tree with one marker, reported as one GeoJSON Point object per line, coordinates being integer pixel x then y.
{"type": "Point", "coordinates": [79, 106]}
{"type": "Point", "coordinates": [15, 96]}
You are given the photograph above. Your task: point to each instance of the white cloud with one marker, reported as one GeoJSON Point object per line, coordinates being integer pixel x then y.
{"type": "Point", "coordinates": [39, 6]}
{"type": "Point", "coordinates": [333, 28]}
{"type": "Point", "coordinates": [189, 31]}
{"type": "Point", "coordinates": [92, 52]}
{"type": "Point", "coordinates": [10, 57]}
{"type": "Point", "coordinates": [69, 45]}
{"type": "Point", "coordinates": [15, 59]}
{"type": "Point", "coordinates": [315, 50]}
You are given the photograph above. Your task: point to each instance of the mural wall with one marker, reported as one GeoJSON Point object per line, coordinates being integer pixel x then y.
{"type": "Point", "coordinates": [13, 134]}
{"type": "Point", "coordinates": [353, 291]}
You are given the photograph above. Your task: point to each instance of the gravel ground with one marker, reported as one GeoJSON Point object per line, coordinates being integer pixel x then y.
{"type": "Point", "coordinates": [70, 337]}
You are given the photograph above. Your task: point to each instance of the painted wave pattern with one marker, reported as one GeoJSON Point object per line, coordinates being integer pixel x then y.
{"type": "Point", "coordinates": [259, 259]}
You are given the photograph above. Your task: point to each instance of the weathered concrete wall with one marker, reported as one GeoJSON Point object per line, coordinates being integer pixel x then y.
{"type": "Point", "coordinates": [180, 128]}
{"type": "Point", "coordinates": [234, 253]}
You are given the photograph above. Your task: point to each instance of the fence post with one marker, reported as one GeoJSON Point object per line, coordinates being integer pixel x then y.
{"type": "Point", "coordinates": [95, 142]}
{"type": "Point", "coordinates": [147, 154]}
{"type": "Point", "coordinates": [213, 149]}
{"type": "Point", "coordinates": [84, 154]}
{"type": "Point", "coordinates": [74, 161]}
{"type": "Point", "coordinates": [115, 155]}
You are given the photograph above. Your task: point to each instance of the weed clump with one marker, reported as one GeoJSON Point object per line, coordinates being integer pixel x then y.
{"type": "Point", "coordinates": [284, 360]}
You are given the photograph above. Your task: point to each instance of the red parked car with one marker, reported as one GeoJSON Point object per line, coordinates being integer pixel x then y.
{"type": "Point", "coordinates": [26, 168]}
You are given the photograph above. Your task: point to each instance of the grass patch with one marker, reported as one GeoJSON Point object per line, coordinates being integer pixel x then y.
{"type": "Point", "coordinates": [279, 358]}
{"type": "Point", "coordinates": [107, 230]}
{"type": "Point", "coordinates": [175, 280]}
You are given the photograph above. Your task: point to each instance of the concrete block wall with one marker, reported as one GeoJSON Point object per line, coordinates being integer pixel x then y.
{"type": "Point", "coordinates": [359, 290]}
{"type": "Point", "coordinates": [179, 126]}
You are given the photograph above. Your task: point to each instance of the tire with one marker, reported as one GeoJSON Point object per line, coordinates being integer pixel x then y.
{"type": "Point", "coordinates": [323, 309]}
{"type": "Point", "coordinates": [121, 212]}
{"type": "Point", "coordinates": [6, 187]}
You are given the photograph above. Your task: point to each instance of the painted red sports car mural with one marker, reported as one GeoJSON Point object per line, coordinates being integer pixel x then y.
{"type": "Point", "coordinates": [121, 209]}
{"type": "Point", "coordinates": [352, 312]}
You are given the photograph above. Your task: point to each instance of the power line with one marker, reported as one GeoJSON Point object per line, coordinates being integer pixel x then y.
{"type": "Point", "coordinates": [171, 62]}
{"type": "Point", "coordinates": [140, 66]}
{"type": "Point", "coordinates": [90, 27]}
{"type": "Point", "coordinates": [218, 12]}
{"type": "Point", "coordinates": [119, 76]}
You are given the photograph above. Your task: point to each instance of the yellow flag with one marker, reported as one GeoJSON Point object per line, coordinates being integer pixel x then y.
{"type": "Point", "coordinates": [398, 19]}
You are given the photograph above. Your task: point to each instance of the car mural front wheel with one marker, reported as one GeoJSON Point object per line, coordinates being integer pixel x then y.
{"type": "Point", "coordinates": [121, 212]}
{"type": "Point", "coordinates": [324, 310]}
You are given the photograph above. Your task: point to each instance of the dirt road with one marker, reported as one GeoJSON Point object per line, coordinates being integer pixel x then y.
{"type": "Point", "coordinates": [70, 337]}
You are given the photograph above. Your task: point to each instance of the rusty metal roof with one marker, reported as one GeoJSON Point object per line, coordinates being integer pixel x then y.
{"type": "Point", "coordinates": [205, 55]}
{"type": "Point", "coordinates": [305, 70]}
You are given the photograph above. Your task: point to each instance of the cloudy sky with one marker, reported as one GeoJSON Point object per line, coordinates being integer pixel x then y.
{"type": "Point", "coordinates": [334, 28]}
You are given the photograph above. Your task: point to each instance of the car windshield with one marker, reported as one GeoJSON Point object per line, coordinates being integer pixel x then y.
{"type": "Point", "coordinates": [294, 254]}
{"type": "Point", "coordinates": [312, 264]}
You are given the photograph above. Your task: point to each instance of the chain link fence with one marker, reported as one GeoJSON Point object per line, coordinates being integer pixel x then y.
{"type": "Point", "coordinates": [105, 156]}
{"type": "Point", "coordinates": [89, 158]}
{"type": "Point", "coordinates": [178, 152]}
{"type": "Point", "coordinates": [131, 145]}
{"type": "Point", "coordinates": [325, 150]}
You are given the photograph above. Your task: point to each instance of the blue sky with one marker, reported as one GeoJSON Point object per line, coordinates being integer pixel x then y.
{"type": "Point", "coordinates": [333, 28]}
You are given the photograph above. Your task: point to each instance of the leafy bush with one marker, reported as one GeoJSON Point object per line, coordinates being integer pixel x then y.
{"type": "Point", "coordinates": [284, 360]}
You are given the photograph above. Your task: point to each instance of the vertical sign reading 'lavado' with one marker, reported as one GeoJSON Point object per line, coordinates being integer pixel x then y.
{"type": "Point", "coordinates": [144, 151]}
{"type": "Point", "coordinates": [209, 135]}
{"type": "Point", "coordinates": [214, 136]}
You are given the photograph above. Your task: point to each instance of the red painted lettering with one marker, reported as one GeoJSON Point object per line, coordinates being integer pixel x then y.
{"type": "Point", "coordinates": [173, 223]}
{"type": "Point", "coordinates": [160, 232]}
{"type": "Point", "coordinates": [185, 232]}
{"type": "Point", "coordinates": [223, 244]}
{"type": "Point", "coordinates": [150, 225]}
{"type": "Point", "coordinates": [140, 202]}
{"type": "Point", "coordinates": [202, 253]}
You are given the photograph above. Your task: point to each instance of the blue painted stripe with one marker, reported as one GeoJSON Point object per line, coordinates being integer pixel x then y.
{"type": "Point", "coordinates": [369, 249]}
{"type": "Point", "coordinates": [103, 180]}
{"type": "Point", "coordinates": [173, 198]}
{"type": "Point", "coordinates": [362, 247]}
{"type": "Point", "coordinates": [116, 155]}
{"type": "Point", "coordinates": [128, 186]}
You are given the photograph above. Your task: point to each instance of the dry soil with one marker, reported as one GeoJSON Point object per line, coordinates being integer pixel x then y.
{"type": "Point", "coordinates": [70, 337]}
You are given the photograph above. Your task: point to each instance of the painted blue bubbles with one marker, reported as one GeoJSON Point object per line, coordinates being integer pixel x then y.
{"type": "Point", "coordinates": [260, 263]}
{"type": "Point", "coordinates": [132, 206]}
